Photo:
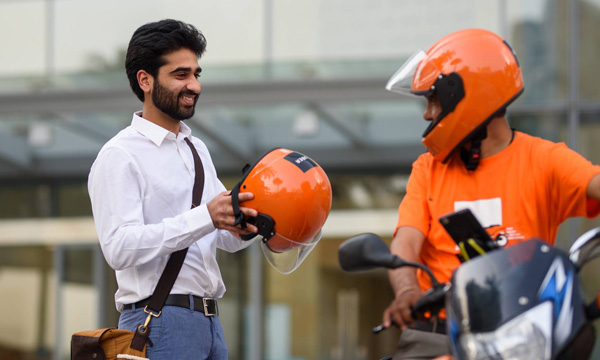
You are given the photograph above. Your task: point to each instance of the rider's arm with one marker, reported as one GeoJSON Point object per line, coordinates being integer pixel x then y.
{"type": "Point", "coordinates": [593, 188]}
{"type": "Point", "coordinates": [407, 245]}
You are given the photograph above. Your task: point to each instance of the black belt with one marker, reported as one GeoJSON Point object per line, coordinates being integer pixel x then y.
{"type": "Point", "coordinates": [206, 305]}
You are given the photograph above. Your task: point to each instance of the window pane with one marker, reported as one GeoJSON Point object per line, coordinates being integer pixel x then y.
{"type": "Point", "coordinates": [538, 35]}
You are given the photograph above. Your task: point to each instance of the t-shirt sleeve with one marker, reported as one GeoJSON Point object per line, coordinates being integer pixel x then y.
{"type": "Point", "coordinates": [571, 174]}
{"type": "Point", "coordinates": [413, 210]}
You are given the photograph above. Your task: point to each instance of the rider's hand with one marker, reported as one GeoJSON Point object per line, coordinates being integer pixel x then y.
{"type": "Point", "coordinates": [400, 308]}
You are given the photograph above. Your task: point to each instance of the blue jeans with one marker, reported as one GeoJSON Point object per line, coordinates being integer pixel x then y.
{"type": "Point", "coordinates": [179, 333]}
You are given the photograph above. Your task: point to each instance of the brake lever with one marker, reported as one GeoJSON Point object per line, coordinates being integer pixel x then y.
{"type": "Point", "coordinates": [379, 328]}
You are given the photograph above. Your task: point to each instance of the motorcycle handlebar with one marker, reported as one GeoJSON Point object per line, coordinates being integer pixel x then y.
{"type": "Point", "coordinates": [431, 302]}
{"type": "Point", "coordinates": [592, 310]}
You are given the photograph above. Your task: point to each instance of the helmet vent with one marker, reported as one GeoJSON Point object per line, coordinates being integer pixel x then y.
{"type": "Point", "coordinates": [450, 91]}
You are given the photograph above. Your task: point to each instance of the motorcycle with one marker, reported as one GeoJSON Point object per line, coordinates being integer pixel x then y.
{"type": "Point", "coordinates": [520, 302]}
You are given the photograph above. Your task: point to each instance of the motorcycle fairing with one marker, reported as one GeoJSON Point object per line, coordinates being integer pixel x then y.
{"type": "Point", "coordinates": [491, 290]}
{"type": "Point", "coordinates": [558, 287]}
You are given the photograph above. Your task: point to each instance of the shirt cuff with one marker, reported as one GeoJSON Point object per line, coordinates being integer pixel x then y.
{"type": "Point", "coordinates": [199, 221]}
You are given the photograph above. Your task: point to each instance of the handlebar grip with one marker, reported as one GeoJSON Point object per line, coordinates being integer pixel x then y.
{"type": "Point", "coordinates": [432, 301]}
{"type": "Point", "coordinates": [592, 310]}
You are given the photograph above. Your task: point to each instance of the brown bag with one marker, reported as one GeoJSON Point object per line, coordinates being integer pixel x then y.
{"type": "Point", "coordinates": [104, 344]}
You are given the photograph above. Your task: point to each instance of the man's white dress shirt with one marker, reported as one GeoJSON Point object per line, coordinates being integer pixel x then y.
{"type": "Point", "coordinates": [140, 186]}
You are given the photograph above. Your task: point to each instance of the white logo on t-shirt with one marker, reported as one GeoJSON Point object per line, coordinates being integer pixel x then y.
{"type": "Point", "coordinates": [487, 211]}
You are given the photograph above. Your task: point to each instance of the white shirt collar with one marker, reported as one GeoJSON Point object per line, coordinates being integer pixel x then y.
{"type": "Point", "coordinates": [155, 133]}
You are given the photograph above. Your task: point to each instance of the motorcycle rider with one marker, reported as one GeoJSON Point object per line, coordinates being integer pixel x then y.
{"type": "Point", "coordinates": [518, 186]}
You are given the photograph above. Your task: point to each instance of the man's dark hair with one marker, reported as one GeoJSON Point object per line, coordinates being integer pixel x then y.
{"type": "Point", "coordinates": [151, 42]}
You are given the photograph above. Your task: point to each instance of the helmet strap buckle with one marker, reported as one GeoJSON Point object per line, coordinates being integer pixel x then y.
{"type": "Point", "coordinates": [265, 225]}
{"type": "Point", "coordinates": [472, 156]}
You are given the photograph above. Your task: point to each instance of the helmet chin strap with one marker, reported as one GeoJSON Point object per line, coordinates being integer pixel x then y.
{"type": "Point", "coordinates": [235, 203]}
{"type": "Point", "coordinates": [472, 156]}
{"type": "Point", "coordinates": [235, 200]}
{"type": "Point", "coordinates": [263, 222]}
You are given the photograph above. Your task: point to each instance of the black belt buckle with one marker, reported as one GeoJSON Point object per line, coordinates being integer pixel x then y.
{"type": "Point", "coordinates": [210, 307]}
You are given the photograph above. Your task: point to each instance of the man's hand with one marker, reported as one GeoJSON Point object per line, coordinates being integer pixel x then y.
{"type": "Point", "coordinates": [400, 308]}
{"type": "Point", "coordinates": [221, 213]}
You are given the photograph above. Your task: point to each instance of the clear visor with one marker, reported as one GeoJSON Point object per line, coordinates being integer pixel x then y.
{"type": "Point", "coordinates": [291, 253]}
{"type": "Point", "coordinates": [401, 81]}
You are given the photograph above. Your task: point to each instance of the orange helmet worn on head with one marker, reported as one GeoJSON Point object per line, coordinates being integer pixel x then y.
{"type": "Point", "coordinates": [475, 75]}
{"type": "Point", "coordinates": [292, 195]}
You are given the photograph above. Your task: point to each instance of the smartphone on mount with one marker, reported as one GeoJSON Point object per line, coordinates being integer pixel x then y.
{"type": "Point", "coordinates": [466, 231]}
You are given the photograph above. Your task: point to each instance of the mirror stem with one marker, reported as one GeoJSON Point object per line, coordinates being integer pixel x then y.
{"type": "Point", "coordinates": [434, 281]}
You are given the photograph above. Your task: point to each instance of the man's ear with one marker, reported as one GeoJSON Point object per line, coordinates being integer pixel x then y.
{"type": "Point", "coordinates": [145, 81]}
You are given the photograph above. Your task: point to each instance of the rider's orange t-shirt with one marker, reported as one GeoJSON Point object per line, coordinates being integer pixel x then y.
{"type": "Point", "coordinates": [525, 191]}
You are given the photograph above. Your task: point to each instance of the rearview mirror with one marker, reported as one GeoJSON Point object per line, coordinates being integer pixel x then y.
{"type": "Point", "coordinates": [368, 251]}
{"type": "Point", "coordinates": [364, 252]}
{"type": "Point", "coordinates": [585, 248]}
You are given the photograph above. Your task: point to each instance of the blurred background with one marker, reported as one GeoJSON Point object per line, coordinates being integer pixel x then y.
{"type": "Point", "coordinates": [307, 75]}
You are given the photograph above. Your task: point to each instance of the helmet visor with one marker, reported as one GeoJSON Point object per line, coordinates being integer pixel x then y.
{"type": "Point", "coordinates": [401, 81]}
{"type": "Point", "coordinates": [292, 255]}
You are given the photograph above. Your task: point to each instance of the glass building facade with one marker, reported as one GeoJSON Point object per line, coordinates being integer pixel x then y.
{"type": "Point", "coordinates": [308, 76]}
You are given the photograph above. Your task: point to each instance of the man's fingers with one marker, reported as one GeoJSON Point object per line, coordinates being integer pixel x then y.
{"type": "Point", "coordinates": [245, 196]}
{"type": "Point", "coordinates": [221, 211]}
{"type": "Point", "coordinates": [249, 212]}
{"type": "Point", "coordinates": [250, 229]}
{"type": "Point", "coordinates": [399, 320]}
{"type": "Point", "coordinates": [407, 317]}
{"type": "Point", "coordinates": [387, 322]}
{"type": "Point", "coordinates": [230, 221]}
{"type": "Point", "coordinates": [400, 313]}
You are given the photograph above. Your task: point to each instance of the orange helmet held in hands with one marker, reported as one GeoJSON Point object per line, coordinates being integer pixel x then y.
{"type": "Point", "coordinates": [292, 195]}
{"type": "Point", "coordinates": [475, 75]}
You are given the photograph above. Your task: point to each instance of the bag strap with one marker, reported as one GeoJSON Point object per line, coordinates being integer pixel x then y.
{"type": "Point", "coordinates": [174, 264]}
{"type": "Point", "coordinates": [169, 275]}
{"type": "Point", "coordinates": [199, 179]}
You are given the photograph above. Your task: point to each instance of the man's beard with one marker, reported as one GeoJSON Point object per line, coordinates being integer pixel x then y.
{"type": "Point", "coordinates": [168, 103]}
